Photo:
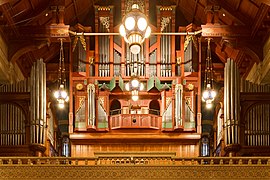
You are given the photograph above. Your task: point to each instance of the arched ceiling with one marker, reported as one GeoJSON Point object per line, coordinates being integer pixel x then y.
{"type": "Point", "coordinates": [24, 23]}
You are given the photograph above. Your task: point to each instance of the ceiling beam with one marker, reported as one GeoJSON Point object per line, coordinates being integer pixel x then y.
{"type": "Point", "coordinates": [260, 16]}
{"type": "Point", "coordinates": [5, 1]}
{"type": "Point", "coordinates": [6, 9]}
{"type": "Point", "coordinates": [195, 9]}
{"type": "Point", "coordinates": [236, 15]}
{"type": "Point", "coordinates": [238, 5]}
{"type": "Point", "coordinates": [267, 2]}
{"type": "Point", "coordinates": [212, 30]}
{"type": "Point", "coordinates": [75, 9]}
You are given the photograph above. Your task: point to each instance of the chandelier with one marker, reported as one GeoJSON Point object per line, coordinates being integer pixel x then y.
{"type": "Point", "coordinates": [61, 94]}
{"type": "Point", "coordinates": [209, 93]}
{"type": "Point", "coordinates": [134, 85]}
{"type": "Point", "coordinates": [135, 29]}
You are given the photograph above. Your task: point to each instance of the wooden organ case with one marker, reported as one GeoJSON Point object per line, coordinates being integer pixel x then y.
{"type": "Point", "coordinates": [104, 118]}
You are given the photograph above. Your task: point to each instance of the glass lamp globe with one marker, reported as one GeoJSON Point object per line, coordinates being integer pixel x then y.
{"type": "Point", "coordinates": [61, 105]}
{"type": "Point", "coordinates": [148, 32]}
{"type": "Point", "coordinates": [142, 23]}
{"type": "Point", "coordinates": [56, 94]}
{"type": "Point", "coordinates": [130, 23]}
{"type": "Point", "coordinates": [135, 98]}
{"type": "Point", "coordinates": [135, 83]}
{"type": "Point", "coordinates": [205, 95]}
{"type": "Point", "coordinates": [135, 6]}
{"type": "Point", "coordinates": [122, 30]}
{"type": "Point", "coordinates": [63, 94]}
{"type": "Point", "coordinates": [208, 104]}
{"type": "Point", "coordinates": [213, 93]}
{"type": "Point", "coordinates": [135, 49]}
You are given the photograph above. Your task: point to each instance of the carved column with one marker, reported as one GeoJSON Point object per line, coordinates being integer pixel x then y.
{"type": "Point", "coordinates": [231, 107]}
{"type": "Point", "coordinates": [38, 108]}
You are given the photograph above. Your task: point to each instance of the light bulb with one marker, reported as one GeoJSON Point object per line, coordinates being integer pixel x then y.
{"type": "Point", "coordinates": [208, 105]}
{"type": "Point", "coordinates": [135, 98]}
{"type": "Point", "coordinates": [142, 24]}
{"type": "Point", "coordinates": [61, 106]}
{"type": "Point", "coordinates": [130, 23]}
{"type": "Point", "coordinates": [135, 49]}
{"type": "Point", "coordinates": [56, 94]}
{"type": "Point", "coordinates": [122, 30]}
{"type": "Point", "coordinates": [135, 83]}
{"type": "Point", "coordinates": [63, 94]}
{"type": "Point", "coordinates": [205, 95]}
{"type": "Point", "coordinates": [135, 6]}
{"type": "Point", "coordinates": [148, 32]}
{"type": "Point", "coordinates": [213, 93]}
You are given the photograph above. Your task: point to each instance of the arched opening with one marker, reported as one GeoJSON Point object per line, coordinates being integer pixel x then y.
{"type": "Point", "coordinates": [115, 107]}
{"type": "Point", "coordinates": [154, 107]}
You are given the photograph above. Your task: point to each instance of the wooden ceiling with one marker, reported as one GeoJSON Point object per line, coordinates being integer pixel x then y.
{"type": "Point", "coordinates": [23, 26]}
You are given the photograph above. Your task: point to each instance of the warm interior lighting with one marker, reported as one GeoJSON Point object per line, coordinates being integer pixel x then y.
{"type": "Point", "coordinates": [135, 95]}
{"type": "Point", "coordinates": [209, 93]}
{"type": "Point", "coordinates": [61, 93]}
{"type": "Point", "coordinates": [135, 29]}
{"type": "Point", "coordinates": [134, 85]}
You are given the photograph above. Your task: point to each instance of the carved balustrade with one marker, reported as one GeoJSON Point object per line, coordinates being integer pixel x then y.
{"type": "Point", "coordinates": [135, 166]}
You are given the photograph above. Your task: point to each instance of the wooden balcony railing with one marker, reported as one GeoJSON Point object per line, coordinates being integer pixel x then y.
{"type": "Point", "coordinates": [146, 121]}
{"type": "Point", "coordinates": [135, 166]}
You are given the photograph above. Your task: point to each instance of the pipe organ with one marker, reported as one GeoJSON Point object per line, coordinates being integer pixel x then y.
{"type": "Point", "coordinates": [23, 116]}
{"type": "Point", "coordinates": [135, 65]}
{"type": "Point", "coordinates": [13, 116]}
{"type": "Point", "coordinates": [246, 120]}
{"type": "Point", "coordinates": [104, 55]}
{"type": "Point", "coordinates": [165, 93]}
{"type": "Point", "coordinates": [255, 114]}
{"type": "Point", "coordinates": [167, 16]}
{"type": "Point", "coordinates": [79, 55]}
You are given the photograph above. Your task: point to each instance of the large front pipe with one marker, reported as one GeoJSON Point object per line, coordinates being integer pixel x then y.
{"type": "Point", "coordinates": [232, 107]}
{"type": "Point", "coordinates": [38, 104]}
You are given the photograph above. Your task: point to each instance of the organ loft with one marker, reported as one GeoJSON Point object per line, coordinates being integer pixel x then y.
{"type": "Point", "coordinates": [100, 79]}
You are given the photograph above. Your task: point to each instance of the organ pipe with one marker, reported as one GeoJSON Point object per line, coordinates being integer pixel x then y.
{"type": "Point", "coordinates": [232, 103]}
{"type": "Point", "coordinates": [12, 118]}
{"type": "Point", "coordinates": [91, 104]}
{"type": "Point", "coordinates": [257, 118]}
{"type": "Point", "coordinates": [38, 103]}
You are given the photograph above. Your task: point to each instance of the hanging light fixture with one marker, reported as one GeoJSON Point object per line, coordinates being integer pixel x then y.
{"type": "Point", "coordinates": [209, 93]}
{"type": "Point", "coordinates": [134, 85]}
{"type": "Point", "coordinates": [135, 29]}
{"type": "Point", "coordinates": [61, 94]}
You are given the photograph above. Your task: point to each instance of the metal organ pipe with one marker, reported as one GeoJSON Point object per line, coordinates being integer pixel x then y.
{"type": "Point", "coordinates": [225, 104]}
{"type": "Point", "coordinates": [232, 103]}
{"type": "Point", "coordinates": [257, 130]}
{"type": "Point", "coordinates": [38, 103]}
{"type": "Point", "coordinates": [12, 118]}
